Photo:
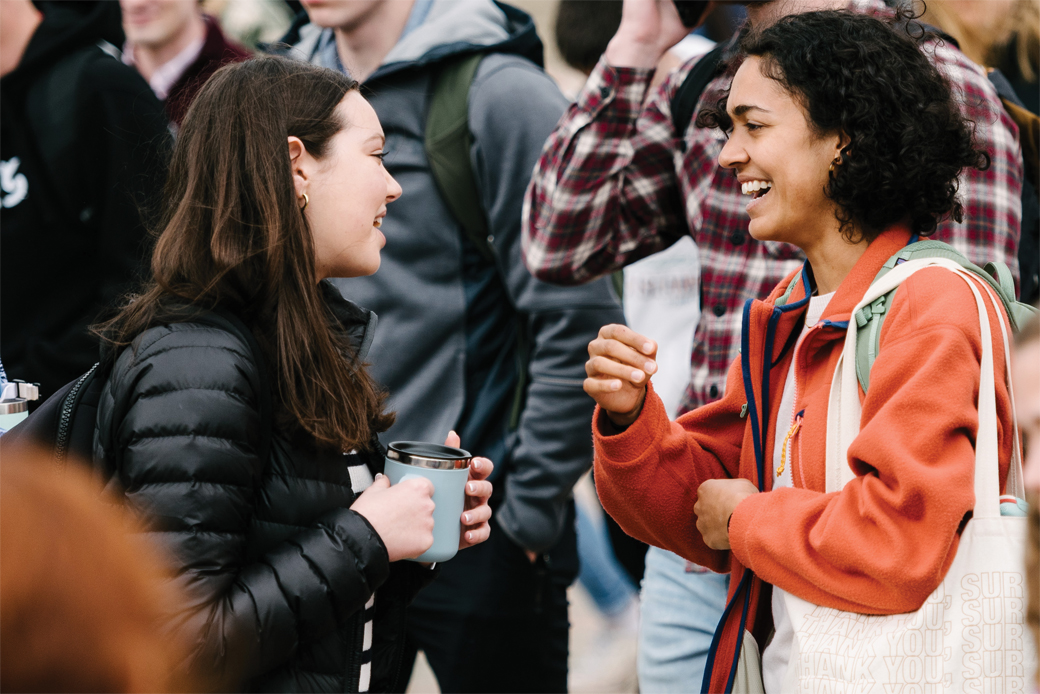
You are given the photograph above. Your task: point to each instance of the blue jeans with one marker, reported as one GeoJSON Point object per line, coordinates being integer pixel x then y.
{"type": "Point", "coordinates": [678, 614]}
{"type": "Point", "coordinates": [601, 574]}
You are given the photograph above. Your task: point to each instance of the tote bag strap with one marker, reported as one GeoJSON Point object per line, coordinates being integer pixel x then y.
{"type": "Point", "coordinates": [845, 410]}
{"type": "Point", "coordinates": [1015, 477]}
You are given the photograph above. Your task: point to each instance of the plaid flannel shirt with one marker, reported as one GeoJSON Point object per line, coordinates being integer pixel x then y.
{"type": "Point", "coordinates": [615, 184]}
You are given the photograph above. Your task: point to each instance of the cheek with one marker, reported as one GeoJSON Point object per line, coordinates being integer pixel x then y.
{"type": "Point", "coordinates": [807, 184]}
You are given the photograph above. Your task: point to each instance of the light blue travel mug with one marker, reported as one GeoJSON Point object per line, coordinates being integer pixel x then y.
{"type": "Point", "coordinates": [448, 469]}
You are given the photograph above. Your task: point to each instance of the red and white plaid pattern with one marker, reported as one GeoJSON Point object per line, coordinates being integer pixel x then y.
{"type": "Point", "coordinates": [614, 185]}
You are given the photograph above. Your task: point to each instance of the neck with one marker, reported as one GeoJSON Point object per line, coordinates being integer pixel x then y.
{"type": "Point", "coordinates": [18, 22]}
{"type": "Point", "coordinates": [362, 46]}
{"type": "Point", "coordinates": [832, 260]}
{"type": "Point", "coordinates": [148, 59]}
{"type": "Point", "coordinates": [761, 15]}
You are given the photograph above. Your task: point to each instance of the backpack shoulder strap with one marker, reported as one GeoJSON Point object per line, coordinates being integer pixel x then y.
{"type": "Point", "coordinates": [448, 142]}
{"type": "Point", "coordinates": [684, 102]}
{"type": "Point", "coordinates": [870, 318]}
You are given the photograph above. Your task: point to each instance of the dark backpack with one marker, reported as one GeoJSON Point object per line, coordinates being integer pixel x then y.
{"type": "Point", "coordinates": [684, 102]}
{"type": "Point", "coordinates": [64, 423]}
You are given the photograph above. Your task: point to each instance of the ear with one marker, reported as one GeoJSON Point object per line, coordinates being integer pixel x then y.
{"type": "Point", "coordinates": [843, 142]}
{"type": "Point", "coordinates": [299, 161]}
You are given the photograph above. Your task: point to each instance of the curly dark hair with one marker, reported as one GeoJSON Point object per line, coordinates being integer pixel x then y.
{"type": "Point", "coordinates": [859, 75]}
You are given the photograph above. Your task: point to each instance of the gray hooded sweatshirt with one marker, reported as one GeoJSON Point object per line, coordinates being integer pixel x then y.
{"type": "Point", "coordinates": [446, 344]}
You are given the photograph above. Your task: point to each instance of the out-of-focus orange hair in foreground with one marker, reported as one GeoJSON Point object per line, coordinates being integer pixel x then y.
{"type": "Point", "coordinates": [82, 596]}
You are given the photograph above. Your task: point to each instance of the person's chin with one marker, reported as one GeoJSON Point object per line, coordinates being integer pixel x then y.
{"type": "Point", "coordinates": [760, 230]}
{"type": "Point", "coordinates": [323, 16]}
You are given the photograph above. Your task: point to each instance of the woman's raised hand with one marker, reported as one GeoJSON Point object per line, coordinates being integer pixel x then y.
{"type": "Point", "coordinates": [476, 513]}
{"type": "Point", "coordinates": [620, 363]}
{"type": "Point", "coordinates": [402, 515]}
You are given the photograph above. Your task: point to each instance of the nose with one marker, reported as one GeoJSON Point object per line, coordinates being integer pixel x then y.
{"type": "Point", "coordinates": [393, 188]}
{"type": "Point", "coordinates": [732, 154]}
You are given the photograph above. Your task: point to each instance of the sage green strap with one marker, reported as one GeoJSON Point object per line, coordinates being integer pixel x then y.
{"type": "Point", "coordinates": [870, 318]}
{"type": "Point", "coordinates": [448, 144]}
{"type": "Point", "coordinates": [786, 296]}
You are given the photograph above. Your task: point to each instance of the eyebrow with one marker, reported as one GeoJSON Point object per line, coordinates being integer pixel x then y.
{"type": "Point", "coordinates": [378, 137]}
{"type": "Point", "coordinates": [744, 108]}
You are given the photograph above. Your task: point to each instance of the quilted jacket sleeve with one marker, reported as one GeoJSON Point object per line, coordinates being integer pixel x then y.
{"type": "Point", "coordinates": [178, 432]}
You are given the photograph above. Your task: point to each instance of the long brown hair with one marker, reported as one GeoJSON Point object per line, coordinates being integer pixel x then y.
{"type": "Point", "coordinates": [233, 237]}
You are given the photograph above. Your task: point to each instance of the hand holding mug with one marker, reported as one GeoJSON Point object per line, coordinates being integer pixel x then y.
{"type": "Point", "coordinates": [402, 515]}
{"type": "Point", "coordinates": [476, 513]}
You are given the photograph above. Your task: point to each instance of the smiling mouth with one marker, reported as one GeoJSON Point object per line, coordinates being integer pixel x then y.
{"type": "Point", "coordinates": [755, 189]}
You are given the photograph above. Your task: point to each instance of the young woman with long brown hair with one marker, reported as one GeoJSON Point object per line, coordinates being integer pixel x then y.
{"type": "Point", "coordinates": [290, 569]}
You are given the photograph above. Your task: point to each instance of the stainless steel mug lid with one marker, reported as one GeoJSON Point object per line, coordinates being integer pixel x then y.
{"type": "Point", "coordinates": [428, 455]}
{"type": "Point", "coordinates": [14, 406]}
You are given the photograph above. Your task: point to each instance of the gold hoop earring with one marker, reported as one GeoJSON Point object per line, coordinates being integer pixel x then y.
{"type": "Point", "coordinates": [306, 201]}
{"type": "Point", "coordinates": [835, 161]}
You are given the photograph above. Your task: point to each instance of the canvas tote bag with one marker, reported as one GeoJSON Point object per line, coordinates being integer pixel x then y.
{"type": "Point", "coordinates": [970, 635]}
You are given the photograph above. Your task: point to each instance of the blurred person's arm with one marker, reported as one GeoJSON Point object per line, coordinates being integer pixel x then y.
{"type": "Point", "coordinates": [605, 192]}
{"type": "Point", "coordinates": [513, 107]}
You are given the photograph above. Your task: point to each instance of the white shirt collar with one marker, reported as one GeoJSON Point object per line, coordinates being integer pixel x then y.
{"type": "Point", "coordinates": [169, 72]}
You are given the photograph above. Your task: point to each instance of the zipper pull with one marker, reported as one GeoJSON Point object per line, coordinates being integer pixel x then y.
{"type": "Point", "coordinates": [743, 411]}
{"type": "Point", "coordinates": [787, 439]}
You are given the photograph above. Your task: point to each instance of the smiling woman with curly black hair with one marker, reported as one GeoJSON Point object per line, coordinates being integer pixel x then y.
{"type": "Point", "coordinates": [849, 144]}
{"type": "Point", "coordinates": [903, 139]}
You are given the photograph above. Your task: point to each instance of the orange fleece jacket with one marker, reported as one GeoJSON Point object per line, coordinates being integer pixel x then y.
{"type": "Point", "coordinates": [883, 543]}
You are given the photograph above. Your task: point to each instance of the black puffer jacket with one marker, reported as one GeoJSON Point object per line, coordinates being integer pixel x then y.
{"type": "Point", "coordinates": [275, 566]}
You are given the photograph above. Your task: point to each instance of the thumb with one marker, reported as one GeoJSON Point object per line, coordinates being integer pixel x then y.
{"type": "Point", "coordinates": [381, 482]}
{"type": "Point", "coordinates": [453, 440]}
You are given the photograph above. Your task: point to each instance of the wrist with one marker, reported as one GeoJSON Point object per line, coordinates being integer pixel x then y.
{"type": "Point", "coordinates": [623, 420]}
{"type": "Point", "coordinates": [625, 50]}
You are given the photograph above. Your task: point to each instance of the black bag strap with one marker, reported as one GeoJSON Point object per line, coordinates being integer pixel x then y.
{"type": "Point", "coordinates": [684, 102]}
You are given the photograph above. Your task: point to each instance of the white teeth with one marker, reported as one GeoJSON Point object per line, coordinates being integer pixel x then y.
{"type": "Point", "coordinates": [750, 187]}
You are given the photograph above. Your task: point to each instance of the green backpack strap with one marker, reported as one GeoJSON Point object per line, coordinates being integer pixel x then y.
{"type": "Point", "coordinates": [448, 142]}
{"type": "Point", "coordinates": [870, 318]}
{"type": "Point", "coordinates": [786, 296]}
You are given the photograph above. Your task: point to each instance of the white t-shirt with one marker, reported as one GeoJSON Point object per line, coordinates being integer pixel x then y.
{"type": "Point", "coordinates": [167, 74]}
{"type": "Point", "coordinates": [360, 480]}
{"type": "Point", "coordinates": [778, 652]}
{"type": "Point", "coordinates": [662, 301]}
